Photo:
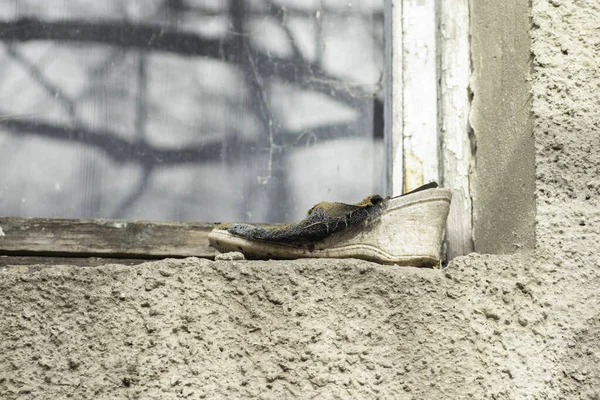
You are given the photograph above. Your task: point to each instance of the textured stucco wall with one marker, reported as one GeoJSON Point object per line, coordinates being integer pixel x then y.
{"type": "Point", "coordinates": [503, 327]}
{"type": "Point", "coordinates": [486, 327]}
{"type": "Point", "coordinates": [566, 104]}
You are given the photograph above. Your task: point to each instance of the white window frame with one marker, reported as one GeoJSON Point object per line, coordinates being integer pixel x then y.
{"type": "Point", "coordinates": [427, 106]}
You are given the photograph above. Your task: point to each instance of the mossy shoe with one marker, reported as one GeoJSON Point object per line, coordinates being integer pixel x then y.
{"type": "Point", "coordinates": [404, 230]}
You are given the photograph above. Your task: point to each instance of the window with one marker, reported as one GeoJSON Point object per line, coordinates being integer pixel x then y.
{"type": "Point", "coordinates": [238, 110]}
{"type": "Point", "coordinates": [190, 111]}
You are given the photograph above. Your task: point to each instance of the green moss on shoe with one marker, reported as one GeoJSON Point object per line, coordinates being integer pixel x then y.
{"type": "Point", "coordinates": [322, 221]}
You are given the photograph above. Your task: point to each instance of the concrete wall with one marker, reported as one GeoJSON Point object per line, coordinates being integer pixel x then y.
{"type": "Point", "coordinates": [566, 104]}
{"type": "Point", "coordinates": [488, 326]}
{"type": "Point", "coordinates": [503, 178]}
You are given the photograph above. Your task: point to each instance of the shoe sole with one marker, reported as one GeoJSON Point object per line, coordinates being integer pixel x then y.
{"type": "Point", "coordinates": [409, 232]}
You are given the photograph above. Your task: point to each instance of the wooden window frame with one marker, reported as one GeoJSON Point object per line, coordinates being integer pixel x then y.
{"type": "Point", "coordinates": [428, 99]}
{"type": "Point", "coordinates": [427, 96]}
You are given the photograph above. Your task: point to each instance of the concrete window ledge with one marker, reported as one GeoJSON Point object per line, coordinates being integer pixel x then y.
{"type": "Point", "coordinates": [486, 327]}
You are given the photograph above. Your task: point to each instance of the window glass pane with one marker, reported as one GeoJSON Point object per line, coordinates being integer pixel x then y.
{"type": "Point", "coordinates": [191, 110]}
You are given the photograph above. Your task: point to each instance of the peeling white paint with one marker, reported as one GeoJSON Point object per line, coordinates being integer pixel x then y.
{"type": "Point", "coordinates": [456, 157]}
{"type": "Point", "coordinates": [421, 146]}
{"type": "Point", "coordinates": [2, 232]}
{"type": "Point", "coordinates": [430, 71]}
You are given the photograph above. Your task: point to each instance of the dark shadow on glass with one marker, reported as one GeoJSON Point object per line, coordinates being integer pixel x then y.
{"type": "Point", "coordinates": [189, 110]}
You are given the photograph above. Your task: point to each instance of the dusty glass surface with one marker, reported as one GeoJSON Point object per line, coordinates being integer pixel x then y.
{"type": "Point", "coordinates": [191, 110]}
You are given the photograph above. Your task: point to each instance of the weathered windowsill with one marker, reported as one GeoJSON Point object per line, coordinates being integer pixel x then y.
{"type": "Point", "coordinates": [325, 328]}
